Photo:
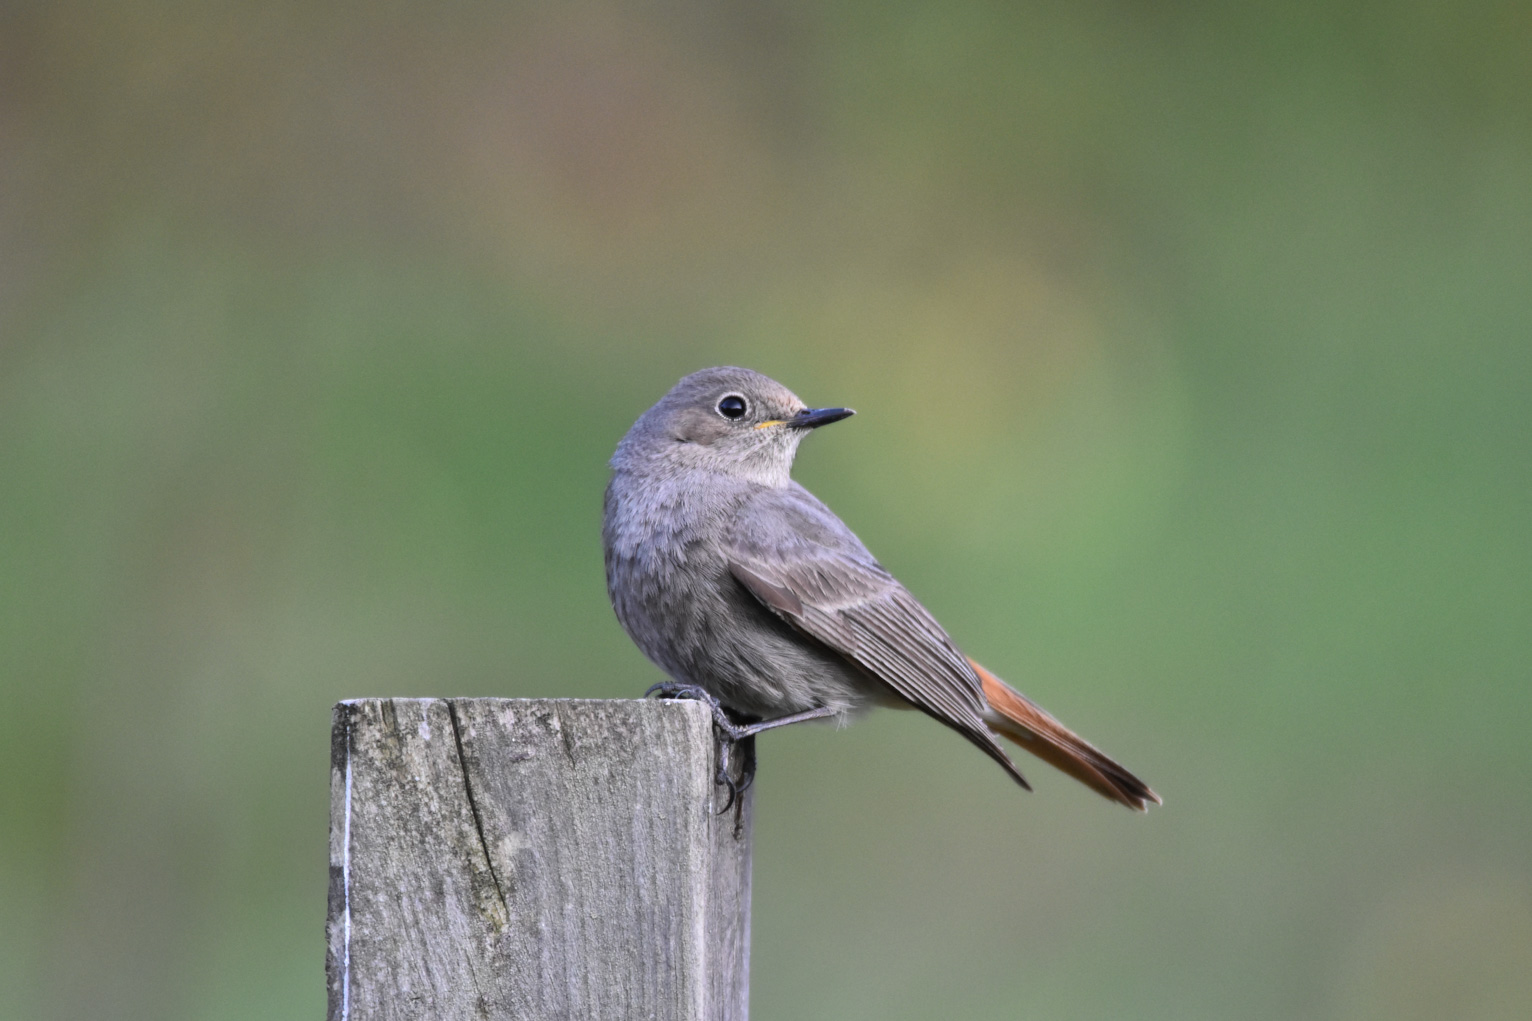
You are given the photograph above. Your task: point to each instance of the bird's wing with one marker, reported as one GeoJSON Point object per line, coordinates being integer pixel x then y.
{"type": "Point", "coordinates": [800, 560]}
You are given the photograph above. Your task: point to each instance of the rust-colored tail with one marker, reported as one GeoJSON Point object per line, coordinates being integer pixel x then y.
{"type": "Point", "coordinates": [1030, 726]}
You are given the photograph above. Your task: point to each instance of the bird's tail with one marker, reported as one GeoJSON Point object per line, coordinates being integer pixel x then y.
{"type": "Point", "coordinates": [1029, 725]}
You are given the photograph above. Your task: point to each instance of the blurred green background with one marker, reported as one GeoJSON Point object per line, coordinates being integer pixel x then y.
{"type": "Point", "coordinates": [1193, 350]}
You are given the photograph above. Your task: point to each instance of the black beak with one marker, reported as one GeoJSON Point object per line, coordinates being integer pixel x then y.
{"type": "Point", "coordinates": [813, 418]}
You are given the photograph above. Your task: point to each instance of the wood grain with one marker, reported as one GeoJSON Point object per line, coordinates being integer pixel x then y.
{"type": "Point", "coordinates": [519, 858]}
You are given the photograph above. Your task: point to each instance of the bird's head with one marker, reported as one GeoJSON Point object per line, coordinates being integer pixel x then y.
{"type": "Point", "coordinates": [729, 420]}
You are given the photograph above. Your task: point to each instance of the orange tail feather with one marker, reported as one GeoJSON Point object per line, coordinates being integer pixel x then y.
{"type": "Point", "coordinates": [1029, 725]}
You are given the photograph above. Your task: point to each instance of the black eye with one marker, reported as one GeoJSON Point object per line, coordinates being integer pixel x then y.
{"type": "Point", "coordinates": [732, 406]}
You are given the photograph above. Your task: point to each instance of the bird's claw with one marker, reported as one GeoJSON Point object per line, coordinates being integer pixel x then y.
{"type": "Point", "coordinates": [729, 735]}
{"type": "Point", "coordinates": [673, 689]}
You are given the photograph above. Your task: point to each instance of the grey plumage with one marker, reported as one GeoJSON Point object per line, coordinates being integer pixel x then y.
{"type": "Point", "coordinates": [732, 577]}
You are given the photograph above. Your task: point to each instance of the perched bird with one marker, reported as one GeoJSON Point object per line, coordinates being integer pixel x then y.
{"type": "Point", "coordinates": [749, 592]}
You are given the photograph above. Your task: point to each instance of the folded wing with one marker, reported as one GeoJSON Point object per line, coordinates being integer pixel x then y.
{"type": "Point", "coordinates": [803, 563]}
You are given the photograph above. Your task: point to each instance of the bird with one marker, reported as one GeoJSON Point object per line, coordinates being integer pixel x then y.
{"type": "Point", "coordinates": [752, 595]}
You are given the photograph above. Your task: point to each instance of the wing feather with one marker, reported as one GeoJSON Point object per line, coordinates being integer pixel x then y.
{"type": "Point", "coordinates": [795, 556]}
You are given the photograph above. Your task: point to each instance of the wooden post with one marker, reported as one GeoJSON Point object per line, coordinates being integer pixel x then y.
{"type": "Point", "coordinates": [533, 859]}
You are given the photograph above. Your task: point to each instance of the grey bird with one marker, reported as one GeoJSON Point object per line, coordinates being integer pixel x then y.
{"type": "Point", "coordinates": [749, 592]}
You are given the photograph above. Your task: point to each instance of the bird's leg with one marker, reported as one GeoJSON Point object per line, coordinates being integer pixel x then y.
{"type": "Point", "coordinates": [752, 729]}
{"type": "Point", "coordinates": [731, 734]}
{"type": "Point", "coordinates": [735, 731]}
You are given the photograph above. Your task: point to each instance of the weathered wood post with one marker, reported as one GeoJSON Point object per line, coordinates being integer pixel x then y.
{"type": "Point", "coordinates": [532, 859]}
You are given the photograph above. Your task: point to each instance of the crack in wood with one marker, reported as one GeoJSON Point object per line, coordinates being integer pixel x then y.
{"type": "Point", "coordinates": [473, 806]}
{"type": "Point", "coordinates": [567, 739]}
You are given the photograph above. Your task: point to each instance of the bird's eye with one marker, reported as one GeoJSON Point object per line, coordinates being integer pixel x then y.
{"type": "Point", "coordinates": [732, 406]}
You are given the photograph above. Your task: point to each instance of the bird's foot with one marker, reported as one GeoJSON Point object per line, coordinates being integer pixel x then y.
{"type": "Point", "coordinates": [729, 735]}
{"type": "Point", "coordinates": [721, 720]}
{"type": "Point", "coordinates": [737, 784]}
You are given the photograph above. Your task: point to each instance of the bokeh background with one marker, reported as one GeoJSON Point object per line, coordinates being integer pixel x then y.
{"type": "Point", "coordinates": [1193, 350]}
